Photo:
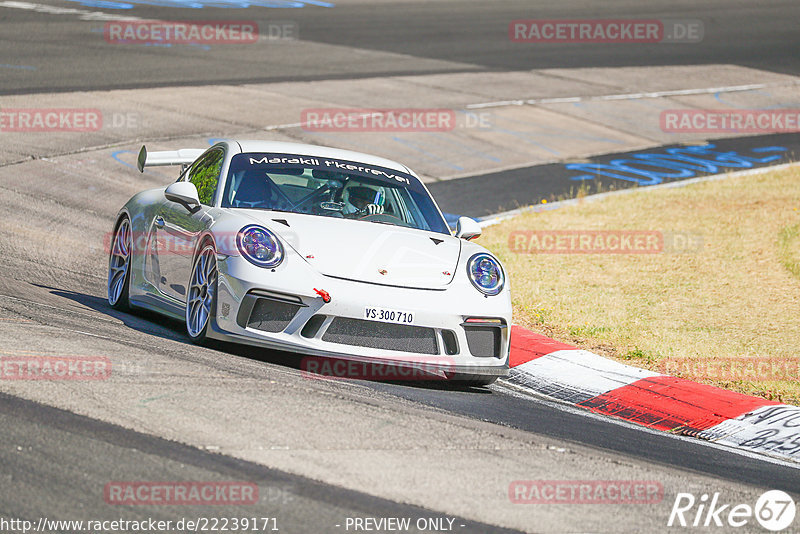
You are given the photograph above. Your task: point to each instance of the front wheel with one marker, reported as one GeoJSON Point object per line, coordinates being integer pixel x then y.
{"type": "Point", "coordinates": [119, 267]}
{"type": "Point", "coordinates": [201, 298]}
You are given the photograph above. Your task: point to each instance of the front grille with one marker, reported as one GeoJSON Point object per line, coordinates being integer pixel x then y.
{"type": "Point", "coordinates": [386, 336]}
{"type": "Point", "coordinates": [484, 342]}
{"type": "Point", "coordinates": [271, 315]}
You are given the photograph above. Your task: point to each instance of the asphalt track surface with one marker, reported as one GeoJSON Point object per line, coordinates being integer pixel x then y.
{"type": "Point", "coordinates": [39, 437]}
{"type": "Point", "coordinates": [60, 52]}
{"type": "Point", "coordinates": [56, 459]}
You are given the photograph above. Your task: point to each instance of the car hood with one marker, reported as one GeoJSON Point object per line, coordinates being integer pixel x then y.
{"type": "Point", "coordinates": [367, 252]}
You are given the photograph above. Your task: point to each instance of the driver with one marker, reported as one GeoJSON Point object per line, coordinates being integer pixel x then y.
{"type": "Point", "coordinates": [361, 201]}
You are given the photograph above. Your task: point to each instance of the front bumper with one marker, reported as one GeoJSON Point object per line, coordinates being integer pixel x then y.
{"type": "Point", "coordinates": [306, 324]}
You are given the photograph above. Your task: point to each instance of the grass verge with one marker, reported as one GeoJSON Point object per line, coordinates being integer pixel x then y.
{"type": "Point", "coordinates": [719, 296]}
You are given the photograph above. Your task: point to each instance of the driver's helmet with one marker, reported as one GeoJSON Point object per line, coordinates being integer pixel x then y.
{"type": "Point", "coordinates": [356, 197]}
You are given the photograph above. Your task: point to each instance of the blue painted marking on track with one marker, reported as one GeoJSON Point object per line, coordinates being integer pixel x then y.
{"type": "Point", "coordinates": [19, 67]}
{"type": "Point", "coordinates": [673, 163]}
{"type": "Point", "coordinates": [200, 4]}
{"type": "Point", "coordinates": [116, 154]}
{"type": "Point", "coordinates": [718, 98]}
{"type": "Point", "coordinates": [768, 149]}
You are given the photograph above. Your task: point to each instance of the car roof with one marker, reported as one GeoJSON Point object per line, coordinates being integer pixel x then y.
{"type": "Point", "coordinates": [281, 147]}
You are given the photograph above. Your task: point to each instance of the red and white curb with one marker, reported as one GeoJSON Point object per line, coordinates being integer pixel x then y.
{"type": "Point", "coordinates": [652, 399]}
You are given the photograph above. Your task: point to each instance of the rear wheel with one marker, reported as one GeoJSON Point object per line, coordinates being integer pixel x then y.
{"type": "Point", "coordinates": [119, 267]}
{"type": "Point", "coordinates": [201, 299]}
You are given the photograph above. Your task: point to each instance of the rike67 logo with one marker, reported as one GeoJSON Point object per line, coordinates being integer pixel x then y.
{"type": "Point", "coordinates": [774, 510]}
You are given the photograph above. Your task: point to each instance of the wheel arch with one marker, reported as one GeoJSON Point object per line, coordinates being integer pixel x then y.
{"type": "Point", "coordinates": [123, 214]}
{"type": "Point", "coordinates": [205, 238]}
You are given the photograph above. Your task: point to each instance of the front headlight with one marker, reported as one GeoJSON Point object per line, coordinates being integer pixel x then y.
{"type": "Point", "coordinates": [259, 246]}
{"type": "Point", "coordinates": [486, 274]}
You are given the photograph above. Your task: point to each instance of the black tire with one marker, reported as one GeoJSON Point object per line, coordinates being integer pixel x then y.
{"type": "Point", "coordinates": [119, 266]}
{"type": "Point", "coordinates": [197, 298]}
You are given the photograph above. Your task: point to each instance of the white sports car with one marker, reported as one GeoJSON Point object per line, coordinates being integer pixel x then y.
{"type": "Point", "coordinates": [320, 251]}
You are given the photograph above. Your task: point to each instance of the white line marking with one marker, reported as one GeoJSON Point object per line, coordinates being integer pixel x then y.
{"type": "Point", "coordinates": [281, 126]}
{"type": "Point", "coordinates": [571, 99]}
{"type": "Point", "coordinates": [308, 123]}
{"type": "Point", "coordinates": [629, 96]}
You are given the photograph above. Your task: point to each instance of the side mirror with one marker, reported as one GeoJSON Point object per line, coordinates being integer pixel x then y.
{"type": "Point", "coordinates": [183, 193]}
{"type": "Point", "coordinates": [468, 228]}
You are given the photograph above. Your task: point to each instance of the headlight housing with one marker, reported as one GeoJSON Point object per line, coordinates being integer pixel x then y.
{"type": "Point", "coordinates": [486, 274]}
{"type": "Point", "coordinates": [259, 246]}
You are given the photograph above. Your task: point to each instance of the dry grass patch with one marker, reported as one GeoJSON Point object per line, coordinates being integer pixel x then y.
{"type": "Point", "coordinates": [736, 296]}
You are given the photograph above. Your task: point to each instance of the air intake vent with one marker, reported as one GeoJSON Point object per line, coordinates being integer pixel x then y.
{"type": "Point", "coordinates": [484, 342]}
{"type": "Point", "coordinates": [271, 315]}
{"type": "Point", "coordinates": [384, 336]}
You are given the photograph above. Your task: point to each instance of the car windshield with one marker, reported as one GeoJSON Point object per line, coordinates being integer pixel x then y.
{"type": "Point", "coordinates": [330, 188]}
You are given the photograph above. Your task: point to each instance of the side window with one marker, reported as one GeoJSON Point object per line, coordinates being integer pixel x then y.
{"type": "Point", "coordinates": [204, 174]}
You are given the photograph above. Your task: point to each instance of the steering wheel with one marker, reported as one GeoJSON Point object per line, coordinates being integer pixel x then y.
{"type": "Point", "coordinates": [331, 186]}
{"type": "Point", "coordinates": [327, 207]}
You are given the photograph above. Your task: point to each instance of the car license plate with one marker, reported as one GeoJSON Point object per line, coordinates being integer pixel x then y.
{"type": "Point", "coordinates": [385, 315]}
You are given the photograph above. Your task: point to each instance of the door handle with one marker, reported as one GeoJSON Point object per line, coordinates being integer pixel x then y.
{"type": "Point", "coordinates": [159, 222]}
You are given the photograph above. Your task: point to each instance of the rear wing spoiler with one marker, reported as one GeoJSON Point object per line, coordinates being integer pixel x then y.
{"type": "Point", "coordinates": [184, 157]}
